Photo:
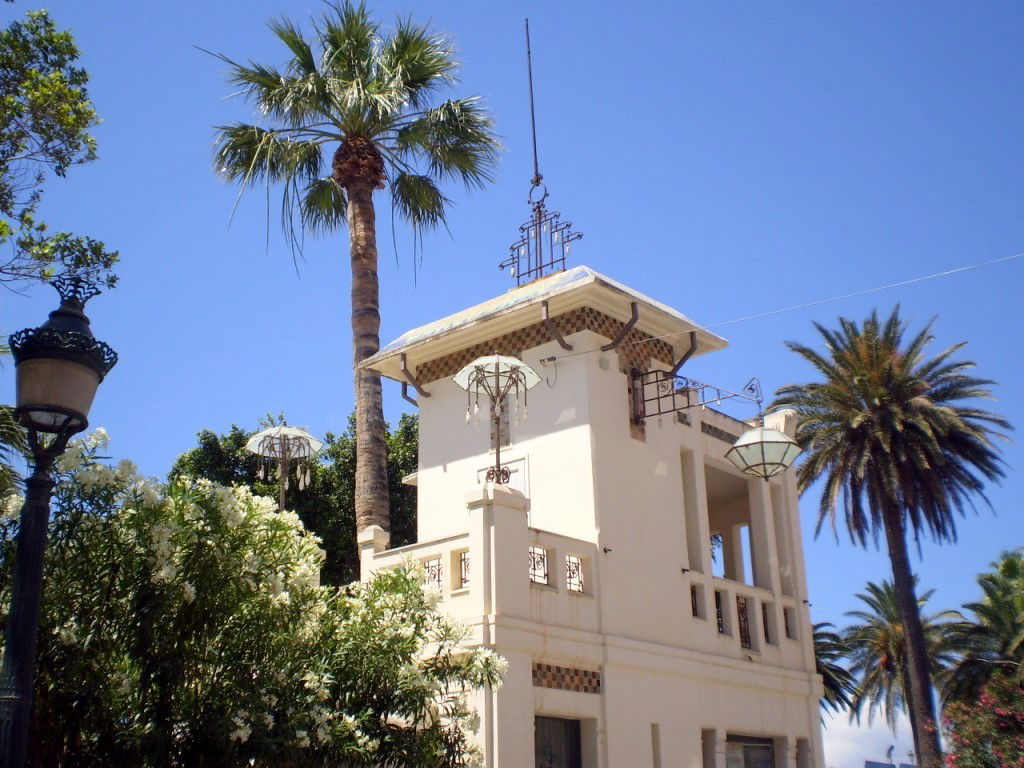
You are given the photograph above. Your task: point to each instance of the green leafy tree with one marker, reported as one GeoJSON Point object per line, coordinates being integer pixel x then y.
{"type": "Point", "coordinates": [876, 646]}
{"type": "Point", "coordinates": [45, 119]}
{"type": "Point", "coordinates": [988, 732]}
{"type": "Point", "coordinates": [327, 505]}
{"type": "Point", "coordinates": [829, 651]}
{"type": "Point", "coordinates": [184, 625]}
{"type": "Point", "coordinates": [348, 114]}
{"type": "Point", "coordinates": [901, 449]}
{"type": "Point", "coordinates": [993, 640]}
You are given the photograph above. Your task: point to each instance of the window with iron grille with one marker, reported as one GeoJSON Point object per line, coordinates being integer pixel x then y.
{"type": "Point", "coordinates": [432, 572]}
{"type": "Point", "coordinates": [765, 610]}
{"type": "Point", "coordinates": [694, 607]}
{"type": "Point", "coordinates": [743, 620]}
{"type": "Point", "coordinates": [538, 565]}
{"type": "Point", "coordinates": [718, 613]}
{"type": "Point", "coordinates": [574, 573]}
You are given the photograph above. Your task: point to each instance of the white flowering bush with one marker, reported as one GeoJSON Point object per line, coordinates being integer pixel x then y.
{"type": "Point", "coordinates": [184, 625]}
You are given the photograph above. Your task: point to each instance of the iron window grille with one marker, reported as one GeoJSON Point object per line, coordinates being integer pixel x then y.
{"type": "Point", "coordinates": [538, 565]}
{"type": "Point", "coordinates": [463, 569]}
{"type": "Point", "coordinates": [718, 613]}
{"type": "Point", "coordinates": [432, 572]}
{"type": "Point", "coordinates": [743, 621]}
{"type": "Point", "coordinates": [574, 573]}
{"type": "Point", "coordinates": [694, 607]}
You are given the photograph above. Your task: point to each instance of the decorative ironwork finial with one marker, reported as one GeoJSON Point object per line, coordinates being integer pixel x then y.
{"type": "Point", "coordinates": [74, 287]}
{"type": "Point", "coordinates": [544, 240]}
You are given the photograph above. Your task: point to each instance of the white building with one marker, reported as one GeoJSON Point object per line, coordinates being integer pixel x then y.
{"type": "Point", "coordinates": [592, 570]}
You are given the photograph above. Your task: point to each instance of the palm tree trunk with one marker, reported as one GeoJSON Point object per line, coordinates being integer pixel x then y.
{"type": "Point", "coordinates": [371, 492]}
{"type": "Point", "coordinates": [920, 704]}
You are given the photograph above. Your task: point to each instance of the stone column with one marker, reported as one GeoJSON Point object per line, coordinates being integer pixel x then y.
{"type": "Point", "coordinates": [763, 554]}
{"type": "Point", "coordinates": [499, 585]}
{"type": "Point", "coordinates": [371, 539]}
{"type": "Point", "coordinates": [498, 551]}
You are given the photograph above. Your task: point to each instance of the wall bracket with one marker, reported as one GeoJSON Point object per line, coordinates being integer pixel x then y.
{"type": "Point", "coordinates": [552, 328]}
{"type": "Point", "coordinates": [411, 379]}
{"type": "Point", "coordinates": [635, 315]}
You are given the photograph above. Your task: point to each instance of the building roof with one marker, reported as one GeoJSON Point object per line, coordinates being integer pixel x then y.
{"type": "Point", "coordinates": [564, 291]}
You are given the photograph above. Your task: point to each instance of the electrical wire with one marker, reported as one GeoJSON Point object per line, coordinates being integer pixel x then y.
{"type": "Point", "coordinates": [816, 303]}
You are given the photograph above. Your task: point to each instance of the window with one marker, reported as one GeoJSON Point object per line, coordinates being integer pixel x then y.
{"type": "Point", "coordinates": [718, 613]}
{"type": "Point", "coordinates": [743, 621]}
{"type": "Point", "coordinates": [459, 569]}
{"type": "Point", "coordinates": [574, 573]}
{"type": "Point", "coordinates": [766, 615]}
{"type": "Point", "coordinates": [539, 565]}
{"type": "Point", "coordinates": [557, 743]}
{"type": "Point", "coordinates": [788, 621]}
{"type": "Point", "coordinates": [697, 601]}
{"type": "Point", "coordinates": [748, 752]}
{"type": "Point", "coordinates": [432, 572]}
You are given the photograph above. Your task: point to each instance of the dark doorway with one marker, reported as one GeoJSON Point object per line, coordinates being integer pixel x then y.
{"type": "Point", "coordinates": [556, 743]}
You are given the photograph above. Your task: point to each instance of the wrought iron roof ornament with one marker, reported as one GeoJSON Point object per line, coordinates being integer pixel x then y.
{"type": "Point", "coordinates": [544, 240]}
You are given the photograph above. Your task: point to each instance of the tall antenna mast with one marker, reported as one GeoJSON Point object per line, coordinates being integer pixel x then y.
{"type": "Point", "coordinates": [537, 178]}
{"type": "Point", "coordinates": [543, 240]}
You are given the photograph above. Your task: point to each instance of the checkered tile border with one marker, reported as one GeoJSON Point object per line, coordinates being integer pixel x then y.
{"type": "Point", "coordinates": [634, 352]}
{"type": "Point", "coordinates": [566, 678]}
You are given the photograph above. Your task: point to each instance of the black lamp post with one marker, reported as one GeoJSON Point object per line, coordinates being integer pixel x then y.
{"type": "Point", "coordinates": [58, 368]}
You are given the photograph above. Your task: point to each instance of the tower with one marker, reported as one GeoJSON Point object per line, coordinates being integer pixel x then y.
{"type": "Point", "coordinates": [649, 597]}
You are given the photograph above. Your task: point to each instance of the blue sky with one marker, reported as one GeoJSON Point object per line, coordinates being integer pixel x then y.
{"type": "Point", "coordinates": [726, 159]}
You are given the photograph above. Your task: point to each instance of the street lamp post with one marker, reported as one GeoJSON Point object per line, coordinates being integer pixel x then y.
{"type": "Point", "coordinates": [58, 369]}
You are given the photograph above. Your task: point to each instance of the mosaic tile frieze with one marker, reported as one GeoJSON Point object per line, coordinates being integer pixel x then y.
{"type": "Point", "coordinates": [566, 678]}
{"type": "Point", "coordinates": [634, 352]}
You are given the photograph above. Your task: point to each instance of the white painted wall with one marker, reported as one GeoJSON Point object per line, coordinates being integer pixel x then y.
{"type": "Point", "coordinates": [583, 485]}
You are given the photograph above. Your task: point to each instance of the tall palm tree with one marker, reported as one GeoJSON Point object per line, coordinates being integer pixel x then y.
{"type": "Point", "coordinates": [994, 640]}
{"type": "Point", "coordinates": [877, 649]}
{"type": "Point", "coordinates": [364, 96]}
{"type": "Point", "coordinates": [829, 651]}
{"type": "Point", "coordinates": [902, 449]}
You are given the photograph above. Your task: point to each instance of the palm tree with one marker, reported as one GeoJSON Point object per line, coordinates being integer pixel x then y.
{"type": "Point", "coordinates": [901, 450]}
{"type": "Point", "coordinates": [994, 640]}
{"type": "Point", "coordinates": [366, 97]}
{"type": "Point", "coordinates": [829, 650]}
{"type": "Point", "coordinates": [877, 649]}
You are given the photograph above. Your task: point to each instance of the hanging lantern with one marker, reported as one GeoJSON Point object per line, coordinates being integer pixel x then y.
{"type": "Point", "coordinates": [283, 450]}
{"type": "Point", "coordinates": [763, 452]}
{"type": "Point", "coordinates": [502, 380]}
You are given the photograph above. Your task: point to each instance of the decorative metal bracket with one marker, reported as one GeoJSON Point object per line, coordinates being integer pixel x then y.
{"type": "Point", "coordinates": [656, 393]}
{"type": "Point", "coordinates": [635, 316]}
{"type": "Point", "coordinates": [552, 328]}
{"type": "Point", "coordinates": [405, 394]}
{"type": "Point", "coordinates": [411, 379]}
{"type": "Point", "coordinates": [686, 355]}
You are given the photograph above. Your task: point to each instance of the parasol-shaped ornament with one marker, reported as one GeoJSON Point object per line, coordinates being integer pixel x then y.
{"type": "Point", "coordinates": [283, 450]}
{"type": "Point", "coordinates": [498, 378]}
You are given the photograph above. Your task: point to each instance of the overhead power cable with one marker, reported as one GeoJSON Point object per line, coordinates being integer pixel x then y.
{"type": "Point", "coordinates": [816, 303]}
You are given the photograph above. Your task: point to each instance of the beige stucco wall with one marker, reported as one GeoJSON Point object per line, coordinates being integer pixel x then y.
{"type": "Point", "coordinates": [635, 512]}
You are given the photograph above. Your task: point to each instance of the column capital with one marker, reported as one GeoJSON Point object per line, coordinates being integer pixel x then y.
{"type": "Point", "coordinates": [498, 495]}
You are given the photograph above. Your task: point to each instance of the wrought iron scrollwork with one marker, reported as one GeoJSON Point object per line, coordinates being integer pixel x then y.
{"type": "Point", "coordinates": [499, 475]}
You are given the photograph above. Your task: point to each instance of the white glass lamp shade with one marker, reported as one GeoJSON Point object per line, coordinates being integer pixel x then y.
{"type": "Point", "coordinates": [763, 452]}
{"type": "Point", "coordinates": [55, 394]}
{"type": "Point", "coordinates": [497, 369]}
